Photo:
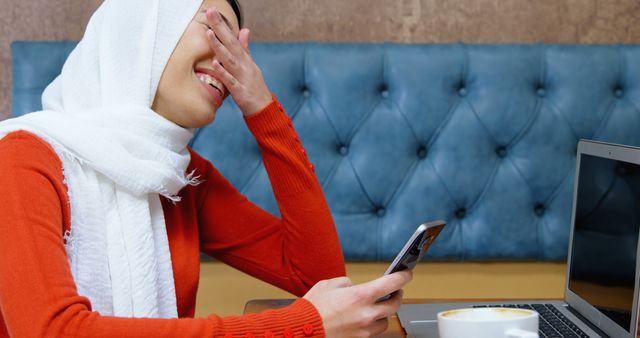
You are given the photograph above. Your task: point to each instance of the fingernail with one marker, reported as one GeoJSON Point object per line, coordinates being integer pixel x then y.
{"type": "Point", "coordinates": [217, 65]}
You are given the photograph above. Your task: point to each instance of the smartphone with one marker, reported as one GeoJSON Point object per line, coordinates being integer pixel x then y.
{"type": "Point", "coordinates": [415, 248]}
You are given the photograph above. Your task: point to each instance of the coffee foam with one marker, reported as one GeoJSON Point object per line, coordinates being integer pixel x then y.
{"type": "Point", "coordinates": [487, 314]}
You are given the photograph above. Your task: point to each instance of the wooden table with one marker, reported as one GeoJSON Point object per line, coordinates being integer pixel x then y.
{"type": "Point", "coordinates": [395, 329]}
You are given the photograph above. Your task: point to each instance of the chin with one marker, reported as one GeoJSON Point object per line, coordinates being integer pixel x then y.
{"type": "Point", "coordinates": [202, 119]}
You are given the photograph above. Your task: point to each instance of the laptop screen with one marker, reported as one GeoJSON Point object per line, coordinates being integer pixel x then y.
{"type": "Point", "coordinates": [605, 240]}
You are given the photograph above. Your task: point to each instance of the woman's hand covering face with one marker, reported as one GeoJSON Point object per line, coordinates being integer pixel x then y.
{"type": "Point", "coordinates": [235, 67]}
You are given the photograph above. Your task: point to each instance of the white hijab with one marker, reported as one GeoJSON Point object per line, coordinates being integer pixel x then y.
{"type": "Point", "coordinates": [118, 156]}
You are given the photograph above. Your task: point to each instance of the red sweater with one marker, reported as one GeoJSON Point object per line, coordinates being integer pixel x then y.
{"type": "Point", "coordinates": [38, 296]}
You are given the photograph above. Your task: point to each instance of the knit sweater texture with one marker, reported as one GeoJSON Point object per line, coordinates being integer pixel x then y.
{"type": "Point", "coordinates": [38, 297]}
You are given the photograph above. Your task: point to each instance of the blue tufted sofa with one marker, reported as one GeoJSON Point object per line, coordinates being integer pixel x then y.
{"type": "Point", "coordinates": [483, 136]}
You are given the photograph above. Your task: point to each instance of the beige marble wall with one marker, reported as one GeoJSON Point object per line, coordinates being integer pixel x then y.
{"type": "Point", "coordinates": [410, 21]}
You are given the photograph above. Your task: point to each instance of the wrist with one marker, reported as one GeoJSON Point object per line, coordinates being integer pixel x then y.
{"type": "Point", "coordinates": [258, 105]}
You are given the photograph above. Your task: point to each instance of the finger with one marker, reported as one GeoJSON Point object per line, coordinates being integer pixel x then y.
{"type": "Point", "coordinates": [379, 326]}
{"type": "Point", "coordinates": [243, 36]}
{"type": "Point", "coordinates": [222, 53]}
{"type": "Point", "coordinates": [223, 32]}
{"type": "Point", "coordinates": [228, 80]}
{"type": "Point", "coordinates": [386, 284]}
{"type": "Point", "coordinates": [390, 306]}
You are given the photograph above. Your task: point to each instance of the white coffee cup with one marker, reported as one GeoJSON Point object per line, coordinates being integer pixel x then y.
{"type": "Point", "coordinates": [488, 323]}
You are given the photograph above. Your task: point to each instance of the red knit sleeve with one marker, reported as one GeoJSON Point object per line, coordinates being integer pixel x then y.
{"type": "Point", "coordinates": [292, 252]}
{"type": "Point", "coordinates": [38, 297]}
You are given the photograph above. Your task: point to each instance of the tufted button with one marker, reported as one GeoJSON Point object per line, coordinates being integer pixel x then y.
{"type": "Point", "coordinates": [462, 91]}
{"type": "Point", "coordinates": [541, 92]}
{"type": "Point", "coordinates": [501, 151]}
{"type": "Point", "coordinates": [381, 211]}
{"type": "Point", "coordinates": [288, 333]}
{"type": "Point", "coordinates": [343, 149]}
{"type": "Point", "coordinates": [461, 213]}
{"type": "Point", "coordinates": [422, 152]}
{"type": "Point", "coordinates": [618, 92]}
{"type": "Point", "coordinates": [269, 334]}
{"type": "Point", "coordinates": [307, 329]}
{"type": "Point", "coordinates": [539, 209]}
{"type": "Point", "coordinates": [305, 92]}
{"type": "Point", "coordinates": [384, 90]}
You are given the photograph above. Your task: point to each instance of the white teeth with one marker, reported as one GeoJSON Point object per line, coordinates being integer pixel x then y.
{"type": "Point", "coordinates": [208, 80]}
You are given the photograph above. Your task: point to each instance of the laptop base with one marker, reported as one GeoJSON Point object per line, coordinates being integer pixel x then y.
{"type": "Point", "coordinates": [420, 320]}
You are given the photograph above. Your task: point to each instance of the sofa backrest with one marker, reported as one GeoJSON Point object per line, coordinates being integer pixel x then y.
{"type": "Point", "coordinates": [483, 136]}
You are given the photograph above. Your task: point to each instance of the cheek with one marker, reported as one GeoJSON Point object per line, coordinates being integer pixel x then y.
{"type": "Point", "coordinates": [196, 44]}
{"type": "Point", "coordinates": [192, 47]}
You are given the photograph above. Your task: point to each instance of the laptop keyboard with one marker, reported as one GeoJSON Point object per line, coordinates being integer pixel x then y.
{"type": "Point", "coordinates": [553, 324]}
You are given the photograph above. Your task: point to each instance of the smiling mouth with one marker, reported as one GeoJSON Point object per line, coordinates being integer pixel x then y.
{"type": "Point", "coordinates": [211, 81]}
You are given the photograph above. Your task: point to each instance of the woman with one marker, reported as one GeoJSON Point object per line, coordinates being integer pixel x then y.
{"type": "Point", "coordinates": [106, 208]}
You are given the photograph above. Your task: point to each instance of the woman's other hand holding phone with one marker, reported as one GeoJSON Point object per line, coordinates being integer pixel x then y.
{"type": "Point", "coordinates": [349, 310]}
{"type": "Point", "coordinates": [235, 67]}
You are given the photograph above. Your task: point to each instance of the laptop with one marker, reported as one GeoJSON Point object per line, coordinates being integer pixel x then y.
{"type": "Point", "coordinates": [601, 290]}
